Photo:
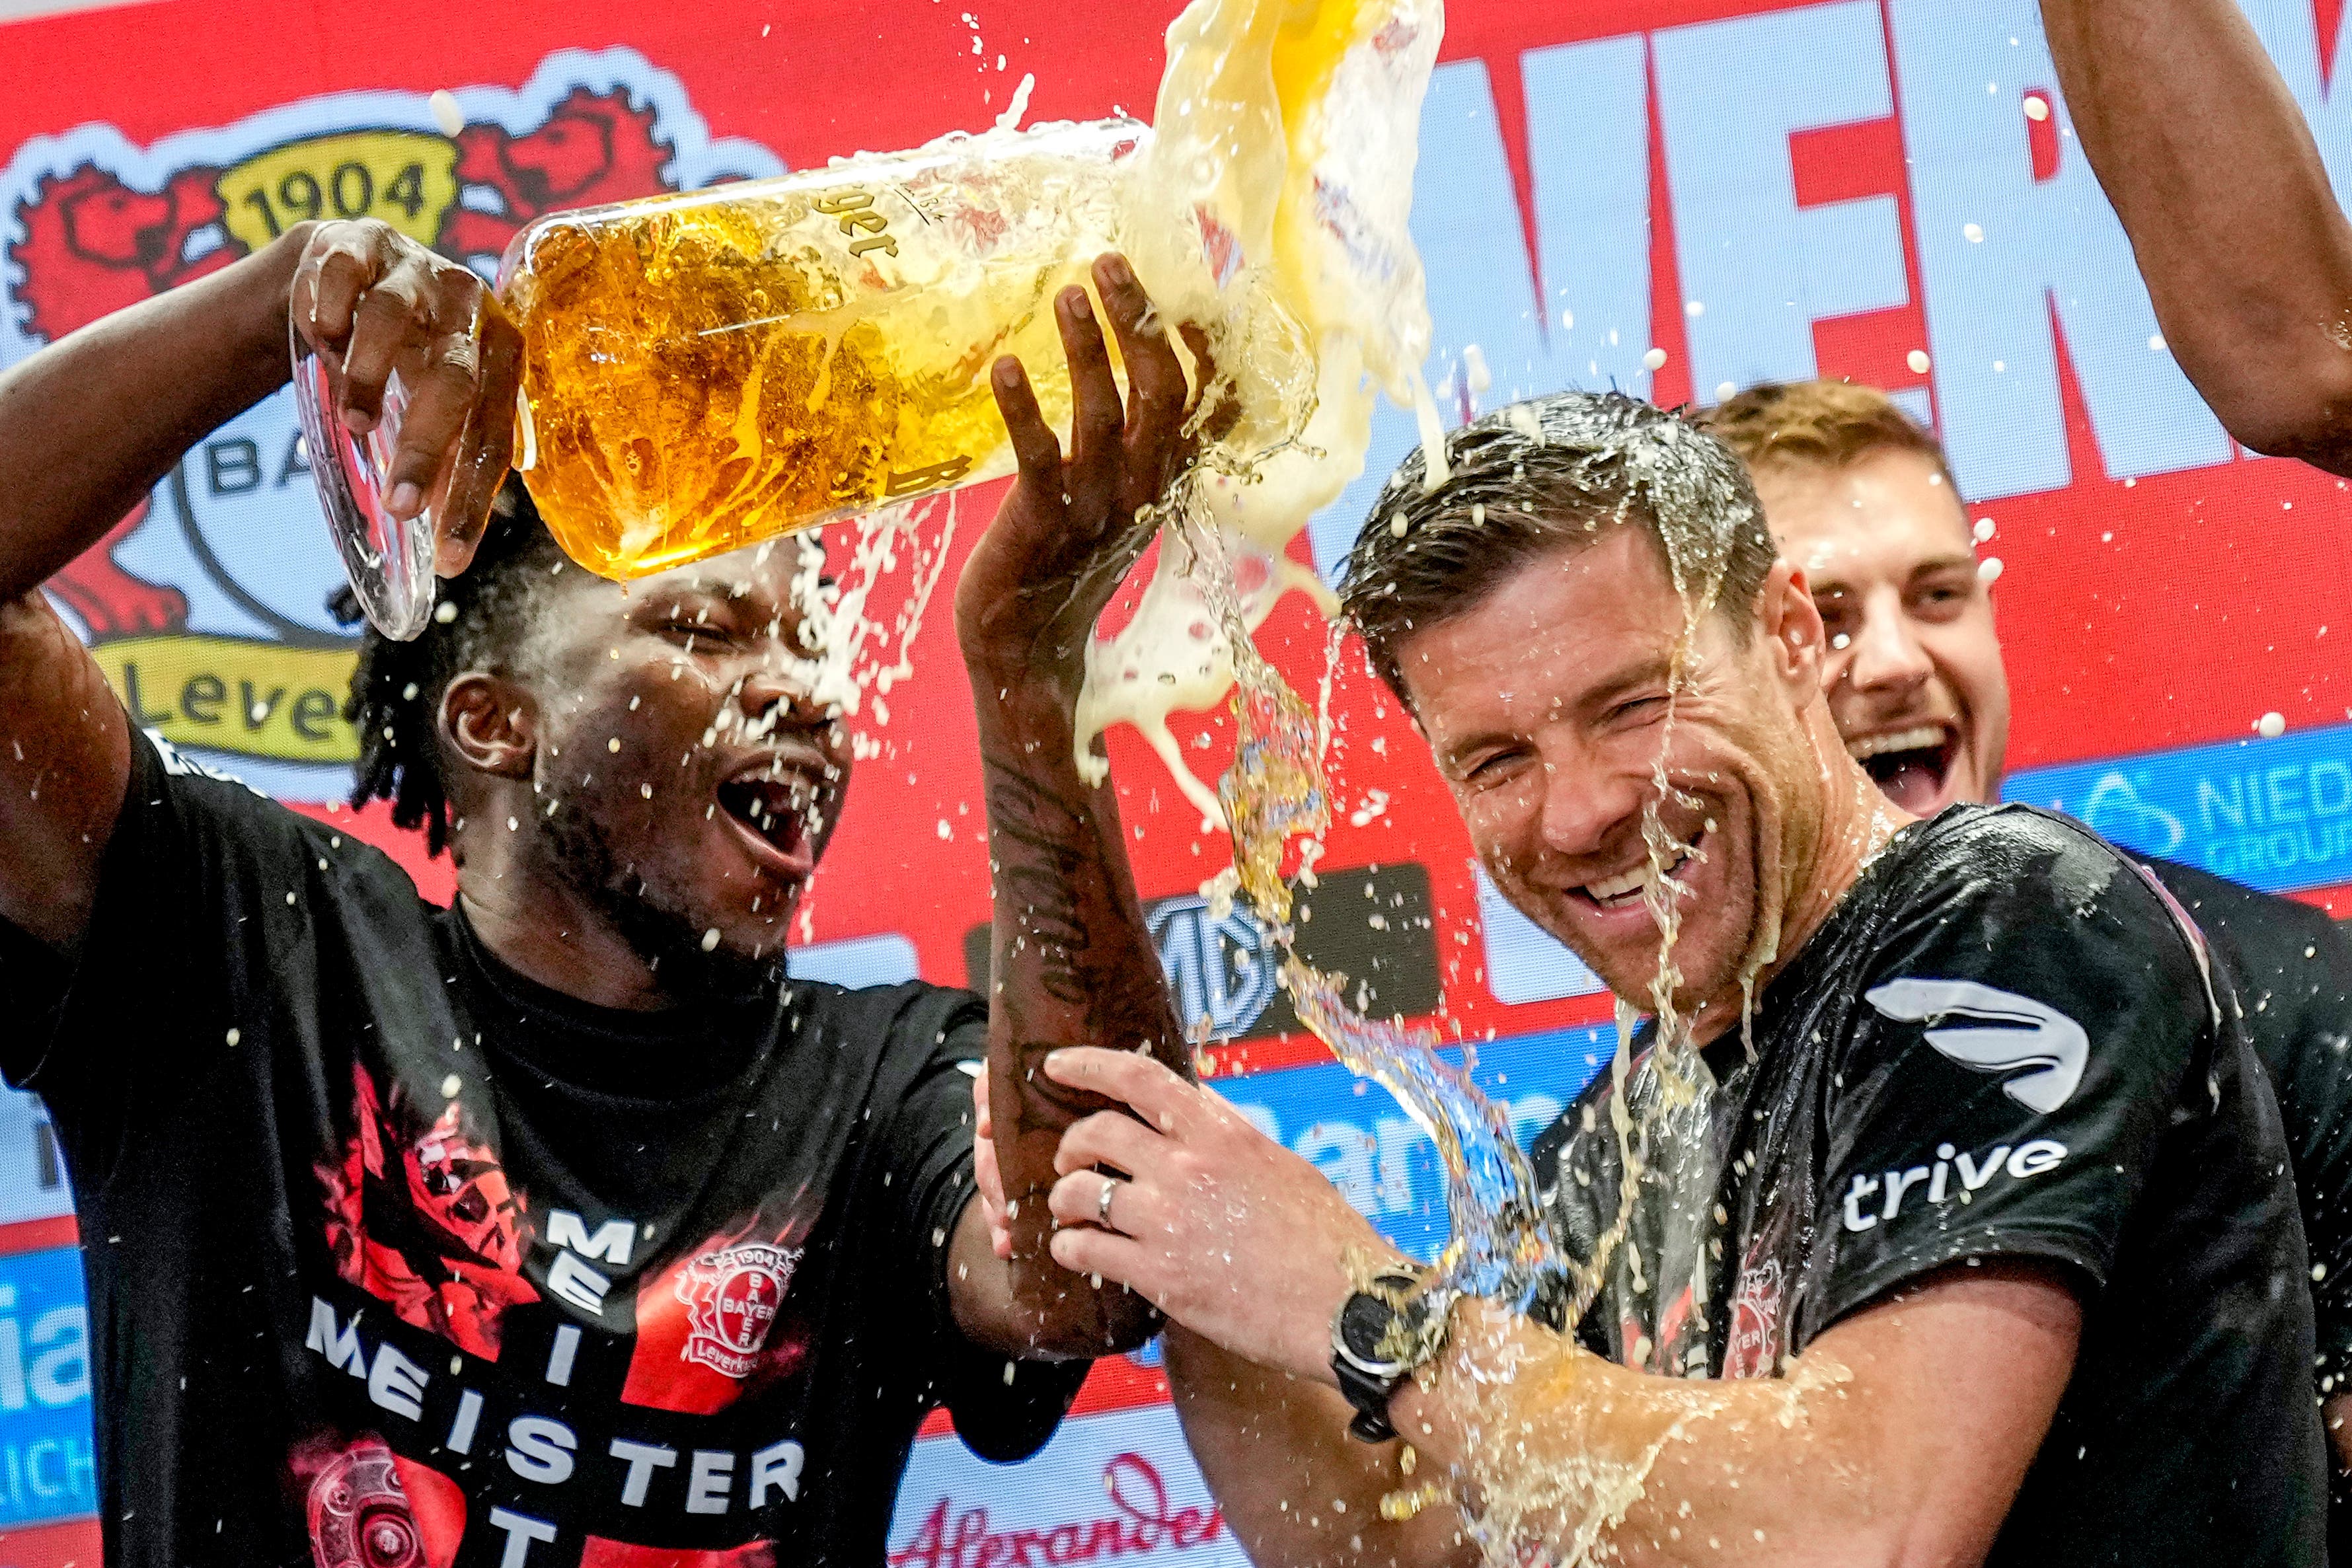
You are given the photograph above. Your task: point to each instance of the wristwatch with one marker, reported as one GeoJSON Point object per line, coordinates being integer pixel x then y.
{"type": "Point", "coordinates": [1381, 1332]}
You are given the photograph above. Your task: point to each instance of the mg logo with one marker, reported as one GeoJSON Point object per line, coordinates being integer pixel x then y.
{"type": "Point", "coordinates": [1221, 970]}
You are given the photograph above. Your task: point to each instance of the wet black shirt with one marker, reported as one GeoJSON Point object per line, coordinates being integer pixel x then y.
{"type": "Point", "coordinates": [396, 1257]}
{"type": "Point", "coordinates": [2290, 970]}
{"type": "Point", "coordinates": [2002, 1043]}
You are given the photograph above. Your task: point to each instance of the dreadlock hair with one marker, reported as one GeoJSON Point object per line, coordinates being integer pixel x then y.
{"type": "Point", "coordinates": [1551, 473]}
{"type": "Point", "coordinates": [395, 695]}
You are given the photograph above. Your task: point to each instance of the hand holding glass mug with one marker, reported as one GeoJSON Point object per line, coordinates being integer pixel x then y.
{"type": "Point", "coordinates": [685, 375]}
{"type": "Point", "coordinates": [405, 371]}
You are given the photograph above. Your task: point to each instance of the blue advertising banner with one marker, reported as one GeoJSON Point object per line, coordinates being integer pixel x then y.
{"type": "Point", "coordinates": [2275, 814]}
{"type": "Point", "coordinates": [45, 1461]}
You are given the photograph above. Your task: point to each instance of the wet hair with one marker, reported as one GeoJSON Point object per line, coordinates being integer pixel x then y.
{"type": "Point", "coordinates": [1817, 425]}
{"type": "Point", "coordinates": [1551, 473]}
{"type": "Point", "coordinates": [477, 624]}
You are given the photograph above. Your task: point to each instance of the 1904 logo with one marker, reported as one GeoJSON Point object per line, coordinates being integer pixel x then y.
{"type": "Point", "coordinates": [205, 605]}
{"type": "Point", "coordinates": [732, 1299]}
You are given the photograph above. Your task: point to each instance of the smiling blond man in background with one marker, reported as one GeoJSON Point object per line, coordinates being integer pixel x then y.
{"type": "Point", "coordinates": [1862, 501]}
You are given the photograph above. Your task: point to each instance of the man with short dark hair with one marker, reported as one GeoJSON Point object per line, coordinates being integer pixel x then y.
{"type": "Point", "coordinates": [558, 1227]}
{"type": "Point", "coordinates": [1860, 498]}
{"type": "Point", "coordinates": [1970, 1240]}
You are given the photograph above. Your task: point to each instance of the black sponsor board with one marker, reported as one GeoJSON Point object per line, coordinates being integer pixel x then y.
{"type": "Point", "coordinates": [1372, 924]}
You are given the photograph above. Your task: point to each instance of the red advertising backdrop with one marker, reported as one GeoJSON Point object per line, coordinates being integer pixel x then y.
{"type": "Point", "coordinates": [1676, 197]}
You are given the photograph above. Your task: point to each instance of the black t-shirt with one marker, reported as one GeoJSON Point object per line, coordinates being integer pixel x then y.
{"type": "Point", "coordinates": [394, 1257]}
{"type": "Point", "coordinates": [2002, 1043]}
{"type": "Point", "coordinates": [2291, 970]}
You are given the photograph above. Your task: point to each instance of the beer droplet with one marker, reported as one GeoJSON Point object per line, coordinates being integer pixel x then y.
{"type": "Point", "coordinates": [2271, 726]}
{"type": "Point", "coordinates": [234, 1035]}
{"type": "Point", "coordinates": [1656, 359]}
{"type": "Point", "coordinates": [445, 112]}
{"type": "Point", "coordinates": [710, 940]}
{"type": "Point", "coordinates": [1918, 360]}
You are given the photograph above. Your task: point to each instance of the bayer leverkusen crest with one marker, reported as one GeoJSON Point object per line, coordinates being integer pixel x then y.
{"type": "Point", "coordinates": [206, 605]}
{"type": "Point", "coordinates": [731, 1300]}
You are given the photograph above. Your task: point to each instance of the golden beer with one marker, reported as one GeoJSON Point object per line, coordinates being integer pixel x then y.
{"type": "Point", "coordinates": [707, 370]}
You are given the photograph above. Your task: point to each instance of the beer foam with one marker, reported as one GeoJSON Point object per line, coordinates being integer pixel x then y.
{"type": "Point", "coordinates": [1289, 132]}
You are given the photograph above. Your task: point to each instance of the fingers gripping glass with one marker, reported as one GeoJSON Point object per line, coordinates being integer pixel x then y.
{"type": "Point", "coordinates": [388, 559]}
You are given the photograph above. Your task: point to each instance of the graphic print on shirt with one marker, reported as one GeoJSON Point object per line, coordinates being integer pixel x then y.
{"type": "Point", "coordinates": [1994, 1030]}
{"type": "Point", "coordinates": [421, 1216]}
{"type": "Point", "coordinates": [424, 1218]}
{"type": "Point", "coordinates": [711, 1327]}
{"type": "Point", "coordinates": [1752, 1348]}
{"type": "Point", "coordinates": [368, 1508]}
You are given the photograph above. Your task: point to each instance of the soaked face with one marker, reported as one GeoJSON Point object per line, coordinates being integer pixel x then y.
{"type": "Point", "coordinates": [694, 777]}
{"type": "Point", "coordinates": [1546, 705]}
{"type": "Point", "coordinates": [1912, 667]}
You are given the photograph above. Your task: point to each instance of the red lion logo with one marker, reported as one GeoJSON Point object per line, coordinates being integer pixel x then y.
{"type": "Point", "coordinates": [91, 245]}
{"type": "Point", "coordinates": [593, 147]}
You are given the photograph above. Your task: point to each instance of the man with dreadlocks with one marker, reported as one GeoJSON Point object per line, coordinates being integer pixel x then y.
{"type": "Point", "coordinates": [1938, 1215]}
{"type": "Point", "coordinates": [558, 1227]}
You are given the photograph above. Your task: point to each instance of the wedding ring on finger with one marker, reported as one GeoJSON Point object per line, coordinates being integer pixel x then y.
{"type": "Point", "coordinates": [1102, 1202]}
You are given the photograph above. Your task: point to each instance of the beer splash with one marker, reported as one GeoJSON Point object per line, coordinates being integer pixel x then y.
{"type": "Point", "coordinates": [703, 370]}
{"type": "Point", "coordinates": [1275, 790]}
{"type": "Point", "coordinates": [1290, 131]}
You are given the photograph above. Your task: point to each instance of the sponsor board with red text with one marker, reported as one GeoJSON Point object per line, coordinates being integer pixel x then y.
{"type": "Point", "coordinates": [1146, 1502]}
{"type": "Point", "coordinates": [1749, 188]}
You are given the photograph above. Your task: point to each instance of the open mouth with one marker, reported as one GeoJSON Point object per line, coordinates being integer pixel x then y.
{"type": "Point", "coordinates": [1624, 890]}
{"type": "Point", "coordinates": [1910, 767]}
{"type": "Point", "coordinates": [771, 810]}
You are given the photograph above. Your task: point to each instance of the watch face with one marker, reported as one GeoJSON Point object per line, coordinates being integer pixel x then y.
{"type": "Point", "coordinates": [1363, 1323]}
{"type": "Point", "coordinates": [1366, 1329]}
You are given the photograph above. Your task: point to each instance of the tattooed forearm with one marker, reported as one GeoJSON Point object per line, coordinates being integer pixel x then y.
{"type": "Point", "coordinates": [1039, 854]}
{"type": "Point", "coordinates": [1071, 964]}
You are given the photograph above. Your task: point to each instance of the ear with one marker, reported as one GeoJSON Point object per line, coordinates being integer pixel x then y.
{"type": "Point", "coordinates": [492, 723]}
{"type": "Point", "coordinates": [1791, 625]}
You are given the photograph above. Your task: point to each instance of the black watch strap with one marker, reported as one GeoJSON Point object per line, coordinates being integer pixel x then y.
{"type": "Point", "coordinates": [1381, 1333]}
{"type": "Point", "coordinates": [1369, 1395]}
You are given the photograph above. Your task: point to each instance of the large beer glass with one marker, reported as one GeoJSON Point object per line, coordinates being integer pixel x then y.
{"type": "Point", "coordinates": [706, 370]}
{"type": "Point", "coordinates": [702, 370]}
